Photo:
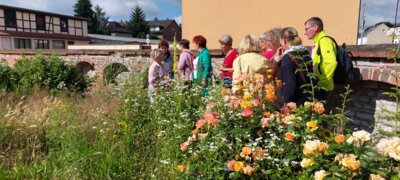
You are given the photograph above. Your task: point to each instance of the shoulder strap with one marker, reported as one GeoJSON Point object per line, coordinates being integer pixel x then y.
{"type": "Point", "coordinates": [319, 51]}
{"type": "Point", "coordinates": [302, 75]}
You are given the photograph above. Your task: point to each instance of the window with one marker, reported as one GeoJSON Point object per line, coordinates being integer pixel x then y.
{"type": "Point", "coordinates": [71, 42]}
{"type": "Point", "coordinates": [41, 44]}
{"type": "Point", "coordinates": [40, 22]}
{"type": "Point", "coordinates": [10, 18]}
{"type": "Point", "coordinates": [64, 24]}
{"type": "Point", "coordinates": [6, 42]}
{"type": "Point", "coordinates": [58, 45]}
{"type": "Point", "coordinates": [22, 43]}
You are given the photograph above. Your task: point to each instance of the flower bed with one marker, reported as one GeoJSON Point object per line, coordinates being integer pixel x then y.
{"type": "Point", "coordinates": [249, 135]}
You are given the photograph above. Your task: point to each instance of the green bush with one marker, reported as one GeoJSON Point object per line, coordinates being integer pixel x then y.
{"type": "Point", "coordinates": [46, 72]}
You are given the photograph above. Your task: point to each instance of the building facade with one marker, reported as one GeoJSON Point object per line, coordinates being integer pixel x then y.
{"type": "Point", "coordinates": [165, 29]}
{"type": "Point", "coordinates": [214, 18]}
{"type": "Point", "coordinates": [22, 28]}
{"type": "Point", "coordinates": [376, 35]}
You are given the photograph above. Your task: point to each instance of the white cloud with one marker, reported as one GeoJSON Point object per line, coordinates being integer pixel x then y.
{"type": "Point", "coordinates": [178, 19]}
{"type": "Point", "coordinates": [123, 8]}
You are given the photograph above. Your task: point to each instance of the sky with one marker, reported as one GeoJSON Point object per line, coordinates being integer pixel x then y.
{"type": "Point", "coordinates": [379, 11]}
{"type": "Point", "coordinates": [117, 10]}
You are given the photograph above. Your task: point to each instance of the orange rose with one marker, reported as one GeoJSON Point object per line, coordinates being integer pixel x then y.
{"type": "Point", "coordinates": [340, 139]}
{"type": "Point", "coordinates": [195, 132]}
{"type": "Point", "coordinates": [248, 170]}
{"type": "Point", "coordinates": [246, 151]}
{"type": "Point", "coordinates": [289, 136]}
{"type": "Point", "coordinates": [258, 154]}
{"type": "Point", "coordinates": [267, 114]}
{"type": "Point", "coordinates": [319, 108]}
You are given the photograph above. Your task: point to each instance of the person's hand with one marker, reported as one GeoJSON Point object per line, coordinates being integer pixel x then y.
{"type": "Point", "coordinates": [278, 56]}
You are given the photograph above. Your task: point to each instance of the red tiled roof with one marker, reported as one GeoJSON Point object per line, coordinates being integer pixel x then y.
{"type": "Point", "coordinates": [43, 35]}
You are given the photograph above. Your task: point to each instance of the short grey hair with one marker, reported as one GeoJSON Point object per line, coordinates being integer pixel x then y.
{"type": "Point", "coordinates": [226, 39]}
{"type": "Point", "coordinates": [155, 53]}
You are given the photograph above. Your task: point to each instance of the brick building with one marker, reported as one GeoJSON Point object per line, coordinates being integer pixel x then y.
{"type": "Point", "coordinates": [165, 29]}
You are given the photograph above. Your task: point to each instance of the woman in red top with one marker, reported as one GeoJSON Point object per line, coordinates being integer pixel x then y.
{"type": "Point", "coordinates": [270, 42]}
{"type": "Point", "coordinates": [230, 55]}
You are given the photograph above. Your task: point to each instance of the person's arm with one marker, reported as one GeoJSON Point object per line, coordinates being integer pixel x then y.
{"type": "Point", "coordinates": [288, 79]}
{"type": "Point", "coordinates": [328, 53]}
{"type": "Point", "coordinates": [152, 75]}
{"type": "Point", "coordinates": [236, 74]}
{"type": "Point", "coordinates": [182, 63]}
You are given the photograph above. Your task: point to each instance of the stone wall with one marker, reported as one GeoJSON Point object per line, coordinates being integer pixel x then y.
{"type": "Point", "coordinates": [369, 104]}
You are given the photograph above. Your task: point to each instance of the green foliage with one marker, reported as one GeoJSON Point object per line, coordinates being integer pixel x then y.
{"type": "Point", "coordinates": [137, 23]}
{"type": "Point", "coordinates": [41, 71]}
{"type": "Point", "coordinates": [112, 71]}
{"type": "Point", "coordinates": [101, 19]}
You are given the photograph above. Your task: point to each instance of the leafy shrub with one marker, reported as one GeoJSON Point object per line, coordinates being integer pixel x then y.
{"type": "Point", "coordinates": [47, 72]}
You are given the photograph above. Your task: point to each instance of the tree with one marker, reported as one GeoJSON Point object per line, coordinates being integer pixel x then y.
{"type": "Point", "coordinates": [101, 19]}
{"type": "Point", "coordinates": [137, 23]}
{"type": "Point", "coordinates": [83, 8]}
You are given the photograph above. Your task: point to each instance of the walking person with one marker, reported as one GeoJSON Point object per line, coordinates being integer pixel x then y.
{"type": "Point", "coordinates": [324, 62]}
{"type": "Point", "coordinates": [230, 55]}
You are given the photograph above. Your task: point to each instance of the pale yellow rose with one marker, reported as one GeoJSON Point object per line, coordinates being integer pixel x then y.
{"type": "Point", "coordinates": [311, 147]}
{"type": "Point", "coordinates": [238, 166]}
{"type": "Point", "coordinates": [375, 177]}
{"type": "Point", "coordinates": [394, 151]}
{"type": "Point", "coordinates": [359, 138]}
{"type": "Point", "coordinates": [307, 162]}
{"type": "Point", "coordinates": [350, 162]}
{"type": "Point", "coordinates": [383, 146]}
{"type": "Point", "coordinates": [319, 175]}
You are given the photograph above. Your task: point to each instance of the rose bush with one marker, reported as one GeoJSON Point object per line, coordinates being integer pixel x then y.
{"type": "Point", "coordinates": [249, 134]}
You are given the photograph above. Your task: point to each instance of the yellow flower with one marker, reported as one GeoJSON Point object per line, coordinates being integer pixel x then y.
{"type": "Point", "coordinates": [313, 125]}
{"type": "Point", "coordinates": [375, 177]}
{"type": "Point", "coordinates": [307, 162]}
{"type": "Point", "coordinates": [351, 163]}
{"type": "Point", "coordinates": [289, 136]}
{"type": "Point", "coordinates": [269, 71]}
{"type": "Point", "coordinates": [322, 147]}
{"type": "Point", "coordinates": [245, 104]}
{"type": "Point", "coordinates": [123, 124]}
{"type": "Point", "coordinates": [247, 96]}
{"type": "Point", "coordinates": [180, 168]}
{"type": "Point", "coordinates": [319, 175]}
{"type": "Point", "coordinates": [238, 166]}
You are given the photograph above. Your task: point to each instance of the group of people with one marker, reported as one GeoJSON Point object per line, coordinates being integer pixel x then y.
{"type": "Point", "coordinates": [279, 49]}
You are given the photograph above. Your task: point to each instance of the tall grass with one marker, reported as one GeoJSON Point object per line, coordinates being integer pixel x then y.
{"type": "Point", "coordinates": [111, 133]}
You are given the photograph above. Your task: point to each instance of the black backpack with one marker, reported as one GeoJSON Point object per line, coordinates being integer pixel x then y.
{"type": "Point", "coordinates": [344, 69]}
